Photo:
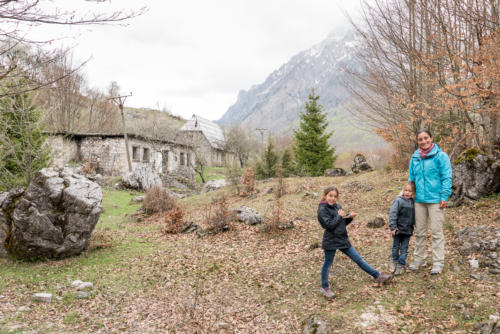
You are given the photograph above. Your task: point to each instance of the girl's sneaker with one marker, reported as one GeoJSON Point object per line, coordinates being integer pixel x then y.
{"type": "Point", "coordinates": [383, 278]}
{"type": "Point", "coordinates": [327, 293]}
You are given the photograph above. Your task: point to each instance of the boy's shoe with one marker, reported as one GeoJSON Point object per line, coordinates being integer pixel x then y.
{"type": "Point", "coordinates": [400, 270]}
{"type": "Point", "coordinates": [416, 265]}
{"type": "Point", "coordinates": [394, 267]}
{"type": "Point", "coordinates": [383, 278]}
{"type": "Point", "coordinates": [327, 292]}
{"type": "Point", "coordinates": [397, 272]}
{"type": "Point", "coordinates": [436, 269]}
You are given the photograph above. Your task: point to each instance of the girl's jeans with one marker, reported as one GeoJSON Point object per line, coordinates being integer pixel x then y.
{"type": "Point", "coordinates": [350, 252]}
{"type": "Point", "coordinates": [400, 248]}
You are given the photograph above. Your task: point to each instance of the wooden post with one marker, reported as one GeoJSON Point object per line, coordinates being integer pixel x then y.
{"type": "Point", "coordinates": [120, 100]}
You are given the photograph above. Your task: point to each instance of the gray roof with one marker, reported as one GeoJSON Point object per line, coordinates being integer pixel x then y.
{"type": "Point", "coordinates": [212, 131]}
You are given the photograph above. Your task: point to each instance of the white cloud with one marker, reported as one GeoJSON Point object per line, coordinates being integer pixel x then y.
{"type": "Point", "coordinates": [193, 55]}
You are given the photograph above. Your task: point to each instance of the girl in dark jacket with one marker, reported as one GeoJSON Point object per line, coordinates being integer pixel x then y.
{"type": "Point", "coordinates": [401, 224]}
{"type": "Point", "coordinates": [334, 220]}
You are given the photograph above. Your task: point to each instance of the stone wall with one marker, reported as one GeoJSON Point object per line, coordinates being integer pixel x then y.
{"type": "Point", "coordinates": [63, 150]}
{"type": "Point", "coordinates": [108, 156]}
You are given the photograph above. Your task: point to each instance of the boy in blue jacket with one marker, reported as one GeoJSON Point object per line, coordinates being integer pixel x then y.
{"type": "Point", "coordinates": [401, 224]}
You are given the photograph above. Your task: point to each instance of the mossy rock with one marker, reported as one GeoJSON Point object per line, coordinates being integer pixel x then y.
{"type": "Point", "coordinates": [469, 155]}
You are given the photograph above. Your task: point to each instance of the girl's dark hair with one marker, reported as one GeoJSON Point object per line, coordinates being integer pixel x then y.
{"type": "Point", "coordinates": [424, 130]}
{"type": "Point", "coordinates": [330, 188]}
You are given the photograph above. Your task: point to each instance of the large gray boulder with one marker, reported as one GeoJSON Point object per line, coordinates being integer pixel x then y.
{"type": "Point", "coordinates": [141, 178]}
{"type": "Point", "coordinates": [248, 215]}
{"type": "Point", "coordinates": [335, 172]}
{"type": "Point", "coordinates": [475, 175]}
{"type": "Point", "coordinates": [53, 218]}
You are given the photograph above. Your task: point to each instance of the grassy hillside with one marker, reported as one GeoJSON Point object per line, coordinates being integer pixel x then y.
{"type": "Point", "coordinates": [247, 281]}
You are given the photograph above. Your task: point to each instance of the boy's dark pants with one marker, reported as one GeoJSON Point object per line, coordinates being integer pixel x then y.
{"type": "Point", "coordinates": [400, 248]}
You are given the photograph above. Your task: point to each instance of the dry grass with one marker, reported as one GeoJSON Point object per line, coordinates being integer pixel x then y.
{"type": "Point", "coordinates": [256, 282]}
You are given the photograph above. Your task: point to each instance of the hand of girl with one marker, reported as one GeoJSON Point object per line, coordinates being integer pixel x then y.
{"type": "Point", "coordinates": [341, 213]}
{"type": "Point", "coordinates": [443, 204]}
{"type": "Point", "coordinates": [393, 232]}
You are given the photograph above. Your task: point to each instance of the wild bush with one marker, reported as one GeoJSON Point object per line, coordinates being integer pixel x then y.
{"type": "Point", "coordinates": [173, 220]}
{"type": "Point", "coordinates": [275, 223]}
{"type": "Point", "coordinates": [248, 180]}
{"type": "Point", "coordinates": [157, 199]}
{"type": "Point", "coordinates": [219, 222]}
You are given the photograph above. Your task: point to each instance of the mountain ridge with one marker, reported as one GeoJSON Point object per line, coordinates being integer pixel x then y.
{"type": "Point", "coordinates": [276, 103]}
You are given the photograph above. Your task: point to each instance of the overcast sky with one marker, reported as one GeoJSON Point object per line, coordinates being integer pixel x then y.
{"type": "Point", "coordinates": [193, 56]}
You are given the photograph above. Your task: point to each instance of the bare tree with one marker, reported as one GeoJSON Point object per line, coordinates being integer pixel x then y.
{"type": "Point", "coordinates": [430, 63]}
{"type": "Point", "coordinates": [240, 142]}
{"type": "Point", "coordinates": [19, 17]}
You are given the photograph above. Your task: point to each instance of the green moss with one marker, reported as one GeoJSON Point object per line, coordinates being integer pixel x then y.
{"type": "Point", "coordinates": [469, 155]}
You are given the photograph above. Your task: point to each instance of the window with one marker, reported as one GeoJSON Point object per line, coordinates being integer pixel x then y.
{"type": "Point", "coordinates": [188, 159]}
{"type": "Point", "coordinates": [182, 159]}
{"type": "Point", "coordinates": [135, 153]}
{"type": "Point", "coordinates": [145, 155]}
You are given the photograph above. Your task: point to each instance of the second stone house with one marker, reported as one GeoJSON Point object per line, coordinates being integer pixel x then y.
{"type": "Point", "coordinates": [207, 140]}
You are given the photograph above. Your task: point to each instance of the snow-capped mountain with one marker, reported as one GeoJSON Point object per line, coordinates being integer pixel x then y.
{"type": "Point", "coordinates": [276, 103]}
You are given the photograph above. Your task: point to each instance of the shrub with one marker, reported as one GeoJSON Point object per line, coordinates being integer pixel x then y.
{"type": "Point", "coordinates": [173, 220]}
{"type": "Point", "coordinates": [157, 199]}
{"type": "Point", "coordinates": [222, 217]}
{"type": "Point", "coordinates": [88, 167]}
{"type": "Point", "coordinates": [275, 224]}
{"type": "Point", "coordinates": [248, 180]}
{"type": "Point", "coordinates": [233, 176]}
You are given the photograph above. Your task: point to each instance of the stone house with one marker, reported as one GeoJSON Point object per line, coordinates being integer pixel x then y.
{"type": "Point", "coordinates": [106, 152]}
{"type": "Point", "coordinates": [207, 140]}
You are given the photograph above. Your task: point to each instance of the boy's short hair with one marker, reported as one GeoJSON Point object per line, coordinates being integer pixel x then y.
{"type": "Point", "coordinates": [412, 186]}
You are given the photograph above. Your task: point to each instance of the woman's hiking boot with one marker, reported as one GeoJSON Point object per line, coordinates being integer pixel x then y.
{"type": "Point", "coordinates": [416, 265]}
{"type": "Point", "coordinates": [436, 269]}
{"type": "Point", "coordinates": [327, 293]}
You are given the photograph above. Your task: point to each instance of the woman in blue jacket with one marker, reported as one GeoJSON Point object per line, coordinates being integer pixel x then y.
{"type": "Point", "coordinates": [430, 169]}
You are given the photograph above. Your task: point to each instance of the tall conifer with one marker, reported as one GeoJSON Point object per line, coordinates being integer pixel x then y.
{"type": "Point", "coordinates": [312, 151]}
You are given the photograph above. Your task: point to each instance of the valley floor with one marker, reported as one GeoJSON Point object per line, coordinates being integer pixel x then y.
{"type": "Point", "coordinates": [248, 281]}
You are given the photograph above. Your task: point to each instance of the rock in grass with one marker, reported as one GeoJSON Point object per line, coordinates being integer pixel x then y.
{"type": "Point", "coordinates": [476, 276]}
{"type": "Point", "coordinates": [42, 297]}
{"type": "Point", "coordinates": [83, 294]}
{"type": "Point", "coordinates": [222, 325]}
{"type": "Point", "coordinates": [376, 223]}
{"type": "Point", "coordinates": [23, 309]}
{"type": "Point", "coordinates": [76, 283]}
{"type": "Point", "coordinates": [474, 263]}
{"type": "Point", "coordinates": [85, 286]}
{"type": "Point", "coordinates": [314, 325]}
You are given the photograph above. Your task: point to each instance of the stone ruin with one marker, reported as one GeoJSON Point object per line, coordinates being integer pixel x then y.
{"type": "Point", "coordinates": [53, 218]}
{"type": "Point", "coordinates": [360, 165]}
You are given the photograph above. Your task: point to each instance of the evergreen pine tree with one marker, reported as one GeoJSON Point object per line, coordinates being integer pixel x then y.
{"type": "Point", "coordinates": [267, 168]}
{"type": "Point", "coordinates": [286, 163]}
{"type": "Point", "coordinates": [312, 151]}
{"type": "Point", "coordinates": [22, 149]}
